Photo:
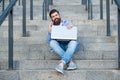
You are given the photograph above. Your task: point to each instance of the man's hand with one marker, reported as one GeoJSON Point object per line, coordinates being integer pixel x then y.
{"type": "Point", "coordinates": [69, 27]}
{"type": "Point", "coordinates": [50, 26]}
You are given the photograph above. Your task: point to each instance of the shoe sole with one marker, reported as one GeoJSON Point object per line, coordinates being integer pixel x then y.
{"type": "Point", "coordinates": [59, 71]}
{"type": "Point", "coordinates": [71, 68]}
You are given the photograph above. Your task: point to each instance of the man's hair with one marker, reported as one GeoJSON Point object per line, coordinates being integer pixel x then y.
{"type": "Point", "coordinates": [53, 11]}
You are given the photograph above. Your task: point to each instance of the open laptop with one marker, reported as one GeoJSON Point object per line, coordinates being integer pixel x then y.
{"type": "Point", "coordinates": [62, 33]}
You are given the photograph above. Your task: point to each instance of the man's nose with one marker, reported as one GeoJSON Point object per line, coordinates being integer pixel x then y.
{"type": "Point", "coordinates": [56, 17]}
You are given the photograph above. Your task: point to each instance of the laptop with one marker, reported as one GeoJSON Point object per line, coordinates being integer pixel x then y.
{"type": "Point", "coordinates": [62, 33]}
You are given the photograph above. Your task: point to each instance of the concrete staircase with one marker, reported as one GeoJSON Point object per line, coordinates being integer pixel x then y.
{"type": "Point", "coordinates": [96, 58]}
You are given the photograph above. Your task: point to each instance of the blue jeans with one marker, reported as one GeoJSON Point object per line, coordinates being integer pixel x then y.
{"type": "Point", "coordinates": [65, 49]}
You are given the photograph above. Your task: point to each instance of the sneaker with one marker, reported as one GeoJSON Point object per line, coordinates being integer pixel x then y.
{"type": "Point", "coordinates": [72, 66]}
{"type": "Point", "coordinates": [60, 69]}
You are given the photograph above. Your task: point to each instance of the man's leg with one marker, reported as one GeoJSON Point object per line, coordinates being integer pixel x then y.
{"type": "Point", "coordinates": [71, 65]}
{"type": "Point", "coordinates": [56, 47]}
{"type": "Point", "coordinates": [69, 51]}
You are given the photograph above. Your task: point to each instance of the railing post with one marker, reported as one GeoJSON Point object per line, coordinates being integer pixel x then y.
{"type": "Point", "coordinates": [90, 10]}
{"type": "Point", "coordinates": [3, 5]}
{"type": "Point", "coordinates": [84, 2]}
{"type": "Point", "coordinates": [86, 6]}
{"type": "Point", "coordinates": [108, 16]}
{"type": "Point", "coordinates": [101, 9]}
{"type": "Point", "coordinates": [10, 31]}
{"type": "Point", "coordinates": [44, 16]}
{"type": "Point", "coordinates": [31, 9]}
{"type": "Point", "coordinates": [51, 2]}
{"type": "Point", "coordinates": [19, 2]}
{"type": "Point", "coordinates": [24, 18]}
{"type": "Point", "coordinates": [112, 1]}
{"type": "Point", "coordinates": [47, 6]}
{"type": "Point", "coordinates": [118, 38]}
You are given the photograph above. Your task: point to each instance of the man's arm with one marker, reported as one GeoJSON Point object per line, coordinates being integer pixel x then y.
{"type": "Point", "coordinates": [50, 26]}
{"type": "Point", "coordinates": [68, 24]}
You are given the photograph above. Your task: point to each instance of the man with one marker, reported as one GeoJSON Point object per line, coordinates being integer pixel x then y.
{"type": "Point", "coordinates": [65, 49]}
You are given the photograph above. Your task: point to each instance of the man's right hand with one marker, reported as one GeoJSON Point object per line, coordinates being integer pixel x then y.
{"type": "Point", "coordinates": [50, 26]}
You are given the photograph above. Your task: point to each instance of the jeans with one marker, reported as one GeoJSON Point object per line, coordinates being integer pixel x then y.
{"type": "Point", "coordinates": [65, 49]}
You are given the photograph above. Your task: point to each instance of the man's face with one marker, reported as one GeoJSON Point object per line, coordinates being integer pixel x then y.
{"type": "Point", "coordinates": [54, 16]}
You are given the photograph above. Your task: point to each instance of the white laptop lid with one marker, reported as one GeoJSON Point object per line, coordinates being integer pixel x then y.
{"type": "Point", "coordinates": [62, 33]}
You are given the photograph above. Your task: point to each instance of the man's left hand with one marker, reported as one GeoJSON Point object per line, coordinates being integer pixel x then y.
{"type": "Point", "coordinates": [69, 27]}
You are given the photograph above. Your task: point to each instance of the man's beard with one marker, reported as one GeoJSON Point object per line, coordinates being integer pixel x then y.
{"type": "Point", "coordinates": [57, 21]}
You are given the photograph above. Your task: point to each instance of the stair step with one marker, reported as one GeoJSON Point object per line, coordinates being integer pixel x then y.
{"type": "Point", "coordinates": [50, 64]}
{"type": "Point", "coordinates": [29, 22]}
{"type": "Point", "coordinates": [37, 40]}
{"type": "Point", "coordinates": [53, 75]}
{"type": "Point", "coordinates": [43, 23]}
{"type": "Point", "coordinates": [79, 12]}
{"type": "Point", "coordinates": [41, 55]}
{"type": "Point", "coordinates": [96, 32]}
{"type": "Point", "coordinates": [80, 55]}
{"type": "Point", "coordinates": [76, 2]}
{"type": "Point", "coordinates": [97, 55]}
{"type": "Point", "coordinates": [82, 47]}
{"type": "Point", "coordinates": [92, 59]}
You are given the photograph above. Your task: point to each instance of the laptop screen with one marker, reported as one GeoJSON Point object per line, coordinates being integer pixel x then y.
{"type": "Point", "coordinates": [62, 33]}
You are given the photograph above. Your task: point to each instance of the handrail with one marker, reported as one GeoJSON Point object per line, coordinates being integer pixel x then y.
{"type": "Point", "coordinates": [9, 12]}
{"type": "Point", "coordinates": [6, 11]}
{"type": "Point", "coordinates": [118, 3]}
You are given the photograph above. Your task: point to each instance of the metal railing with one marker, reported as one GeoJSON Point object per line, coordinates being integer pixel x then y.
{"type": "Point", "coordinates": [9, 12]}
{"type": "Point", "coordinates": [24, 18]}
{"type": "Point", "coordinates": [118, 38]}
{"type": "Point", "coordinates": [31, 9]}
{"type": "Point", "coordinates": [24, 31]}
{"type": "Point", "coordinates": [108, 17]}
{"type": "Point", "coordinates": [90, 15]}
{"type": "Point", "coordinates": [101, 9]}
{"type": "Point", "coordinates": [89, 7]}
{"type": "Point", "coordinates": [45, 8]}
{"type": "Point", "coordinates": [118, 4]}
{"type": "Point", "coordinates": [2, 2]}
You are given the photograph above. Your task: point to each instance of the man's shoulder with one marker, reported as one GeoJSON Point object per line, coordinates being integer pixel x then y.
{"type": "Point", "coordinates": [66, 23]}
